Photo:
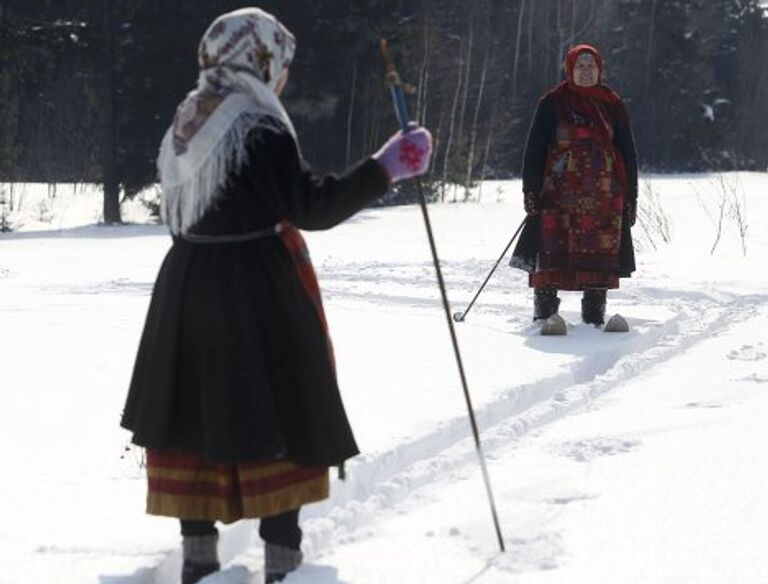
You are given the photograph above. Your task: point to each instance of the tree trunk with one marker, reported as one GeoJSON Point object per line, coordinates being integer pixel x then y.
{"type": "Point", "coordinates": [350, 114]}
{"type": "Point", "coordinates": [487, 149]}
{"type": "Point", "coordinates": [530, 37]}
{"type": "Point", "coordinates": [422, 118]}
{"type": "Point", "coordinates": [422, 99]}
{"type": "Point", "coordinates": [649, 50]}
{"type": "Point", "coordinates": [454, 107]}
{"type": "Point", "coordinates": [517, 47]}
{"type": "Point", "coordinates": [560, 41]}
{"type": "Point", "coordinates": [438, 138]}
{"type": "Point", "coordinates": [111, 181]}
{"type": "Point", "coordinates": [465, 89]}
{"type": "Point", "coordinates": [476, 120]}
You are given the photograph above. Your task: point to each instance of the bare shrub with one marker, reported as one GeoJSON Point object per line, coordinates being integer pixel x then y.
{"type": "Point", "coordinates": [6, 209]}
{"type": "Point", "coordinates": [725, 202]}
{"type": "Point", "coordinates": [651, 216]}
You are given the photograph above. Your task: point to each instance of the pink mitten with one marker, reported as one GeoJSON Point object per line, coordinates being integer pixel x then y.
{"type": "Point", "coordinates": [406, 155]}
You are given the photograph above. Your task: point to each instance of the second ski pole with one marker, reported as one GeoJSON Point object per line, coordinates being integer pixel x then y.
{"type": "Point", "coordinates": [460, 316]}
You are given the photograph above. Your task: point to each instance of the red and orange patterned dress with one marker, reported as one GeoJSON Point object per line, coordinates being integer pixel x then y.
{"type": "Point", "coordinates": [580, 164]}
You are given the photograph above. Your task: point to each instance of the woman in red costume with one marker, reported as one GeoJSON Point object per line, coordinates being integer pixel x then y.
{"type": "Point", "coordinates": [580, 191]}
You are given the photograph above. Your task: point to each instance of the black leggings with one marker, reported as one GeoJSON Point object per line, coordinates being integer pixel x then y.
{"type": "Point", "coordinates": [280, 529]}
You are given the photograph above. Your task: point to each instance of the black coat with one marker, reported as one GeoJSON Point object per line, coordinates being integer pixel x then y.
{"type": "Point", "coordinates": [233, 362]}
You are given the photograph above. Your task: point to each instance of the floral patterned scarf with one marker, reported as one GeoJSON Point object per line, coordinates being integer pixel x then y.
{"type": "Point", "coordinates": [241, 56]}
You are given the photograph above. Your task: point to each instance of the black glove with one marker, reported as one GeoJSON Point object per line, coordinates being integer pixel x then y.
{"type": "Point", "coordinates": [531, 203]}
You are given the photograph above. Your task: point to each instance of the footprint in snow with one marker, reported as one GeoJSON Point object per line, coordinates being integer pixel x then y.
{"type": "Point", "coordinates": [755, 377]}
{"type": "Point", "coordinates": [233, 575]}
{"type": "Point", "coordinates": [746, 353]}
{"type": "Point", "coordinates": [541, 552]}
{"type": "Point", "coordinates": [591, 448]}
{"type": "Point", "coordinates": [568, 499]}
{"type": "Point", "coordinates": [706, 405]}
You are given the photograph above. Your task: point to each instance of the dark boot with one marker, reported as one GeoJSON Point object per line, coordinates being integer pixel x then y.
{"type": "Point", "coordinates": [282, 545]}
{"type": "Point", "coordinates": [545, 303]}
{"type": "Point", "coordinates": [278, 561]}
{"type": "Point", "coordinates": [593, 306]}
{"type": "Point", "coordinates": [193, 572]}
{"type": "Point", "coordinates": [200, 557]}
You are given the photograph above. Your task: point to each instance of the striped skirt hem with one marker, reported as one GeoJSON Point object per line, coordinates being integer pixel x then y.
{"type": "Point", "coordinates": [186, 486]}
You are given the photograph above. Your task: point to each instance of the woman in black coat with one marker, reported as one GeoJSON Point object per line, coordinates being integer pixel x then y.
{"type": "Point", "coordinates": [234, 392]}
{"type": "Point", "coordinates": [580, 191]}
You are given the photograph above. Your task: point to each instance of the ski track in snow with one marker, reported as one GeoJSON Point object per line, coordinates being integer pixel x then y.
{"type": "Point", "coordinates": [377, 482]}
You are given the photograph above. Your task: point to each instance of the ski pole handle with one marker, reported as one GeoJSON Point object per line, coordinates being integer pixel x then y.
{"type": "Point", "coordinates": [396, 88]}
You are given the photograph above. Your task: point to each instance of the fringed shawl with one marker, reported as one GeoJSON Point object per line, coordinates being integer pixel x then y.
{"type": "Point", "coordinates": [242, 56]}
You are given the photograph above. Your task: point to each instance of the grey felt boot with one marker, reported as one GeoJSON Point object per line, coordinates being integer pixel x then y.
{"type": "Point", "coordinates": [200, 557]}
{"type": "Point", "coordinates": [545, 303]}
{"type": "Point", "coordinates": [593, 306]}
{"type": "Point", "coordinates": [278, 561]}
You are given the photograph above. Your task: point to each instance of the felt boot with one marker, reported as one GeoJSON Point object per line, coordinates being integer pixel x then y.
{"type": "Point", "coordinates": [278, 561]}
{"type": "Point", "coordinates": [200, 557]}
{"type": "Point", "coordinates": [545, 303]}
{"type": "Point", "coordinates": [593, 306]}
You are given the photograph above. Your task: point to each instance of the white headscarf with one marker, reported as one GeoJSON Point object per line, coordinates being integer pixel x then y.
{"type": "Point", "coordinates": [241, 56]}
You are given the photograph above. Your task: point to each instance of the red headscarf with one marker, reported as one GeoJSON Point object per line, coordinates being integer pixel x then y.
{"type": "Point", "coordinates": [599, 91]}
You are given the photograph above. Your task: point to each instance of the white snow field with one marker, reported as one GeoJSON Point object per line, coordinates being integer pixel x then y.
{"type": "Point", "coordinates": [625, 458]}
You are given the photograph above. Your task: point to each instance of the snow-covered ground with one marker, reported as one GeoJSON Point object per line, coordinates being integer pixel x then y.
{"type": "Point", "coordinates": [630, 458]}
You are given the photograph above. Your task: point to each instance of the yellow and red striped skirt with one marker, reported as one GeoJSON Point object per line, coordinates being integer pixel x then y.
{"type": "Point", "coordinates": [186, 486]}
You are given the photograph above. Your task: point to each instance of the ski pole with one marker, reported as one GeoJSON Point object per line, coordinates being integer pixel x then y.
{"type": "Point", "coordinates": [557, 169]}
{"type": "Point", "coordinates": [395, 84]}
{"type": "Point", "coordinates": [460, 316]}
